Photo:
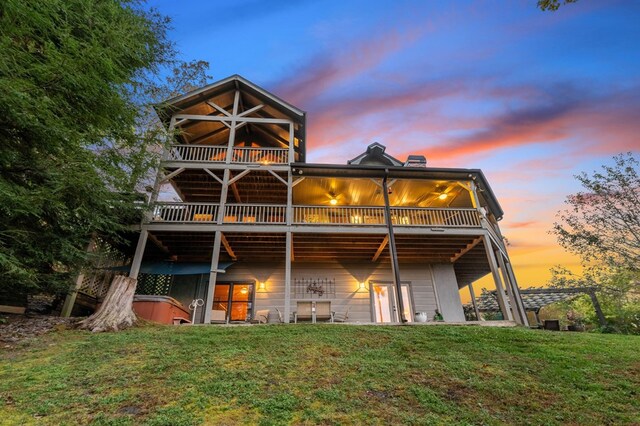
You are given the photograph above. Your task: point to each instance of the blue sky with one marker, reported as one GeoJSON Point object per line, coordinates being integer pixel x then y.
{"type": "Point", "coordinates": [530, 97]}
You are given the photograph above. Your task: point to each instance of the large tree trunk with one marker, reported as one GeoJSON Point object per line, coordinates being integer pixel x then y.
{"type": "Point", "coordinates": [116, 312]}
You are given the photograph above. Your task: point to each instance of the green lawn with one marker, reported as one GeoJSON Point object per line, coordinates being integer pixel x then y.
{"type": "Point", "coordinates": [322, 374]}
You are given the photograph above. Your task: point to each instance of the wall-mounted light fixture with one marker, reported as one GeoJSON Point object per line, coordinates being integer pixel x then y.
{"type": "Point", "coordinates": [362, 286]}
{"type": "Point", "coordinates": [262, 286]}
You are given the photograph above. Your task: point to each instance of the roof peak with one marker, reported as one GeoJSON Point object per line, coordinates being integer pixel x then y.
{"type": "Point", "coordinates": [375, 155]}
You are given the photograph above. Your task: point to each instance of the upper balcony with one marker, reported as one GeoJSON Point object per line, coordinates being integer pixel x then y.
{"type": "Point", "coordinates": [270, 214]}
{"type": "Point", "coordinates": [319, 201]}
{"type": "Point", "coordinates": [217, 154]}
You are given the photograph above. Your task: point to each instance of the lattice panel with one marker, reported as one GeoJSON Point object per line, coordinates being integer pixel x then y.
{"type": "Point", "coordinates": [96, 282]}
{"type": "Point", "coordinates": [157, 285]}
{"type": "Point", "coordinates": [314, 288]}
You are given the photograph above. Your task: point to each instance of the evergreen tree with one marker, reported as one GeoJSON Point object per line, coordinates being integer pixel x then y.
{"type": "Point", "coordinates": [77, 134]}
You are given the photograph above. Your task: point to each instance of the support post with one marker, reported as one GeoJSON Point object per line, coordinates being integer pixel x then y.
{"type": "Point", "coordinates": [506, 312]}
{"type": "Point", "coordinates": [70, 300]}
{"type": "Point", "coordinates": [213, 274]}
{"type": "Point", "coordinates": [536, 314]}
{"type": "Point", "coordinates": [137, 258]}
{"type": "Point", "coordinates": [475, 201]}
{"type": "Point", "coordinates": [291, 144]}
{"type": "Point", "coordinates": [392, 251]}
{"type": "Point", "coordinates": [511, 293]}
{"type": "Point", "coordinates": [516, 292]}
{"type": "Point", "coordinates": [232, 129]}
{"type": "Point", "coordinates": [287, 279]}
{"type": "Point", "coordinates": [289, 213]}
{"type": "Point", "coordinates": [596, 305]}
{"type": "Point", "coordinates": [474, 302]}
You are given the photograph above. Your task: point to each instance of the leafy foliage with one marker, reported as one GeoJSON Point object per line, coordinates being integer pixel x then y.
{"type": "Point", "coordinates": [602, 224]}
{"type": "Point", "coordinates": [552, 5]}
{"type": "Point", "coordinates": [618, 293]}
{"type": "Point", "coordinates": [77, 78]}
{"type": "Point", "coordinates": [602, 227]}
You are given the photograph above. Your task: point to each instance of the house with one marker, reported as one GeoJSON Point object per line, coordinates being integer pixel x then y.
{"type": "Point", "coordinates": [259, 229]}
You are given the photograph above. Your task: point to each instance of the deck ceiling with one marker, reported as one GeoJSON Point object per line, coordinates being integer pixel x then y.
{"type": "Point", "coordinates": [258, 186]}
{"type": "Point", "coordinates": [216, 133]}
{"type": "Point", "coordinates": [197, 246]}
{"type": "Point", "coordinates": [318, 247]}
{"type": "Point", "coordinates": [365, 192]}
{"type": "Point", "coordinates": [181, 246]}
{"type": "Point", "coordinates": [472, 266]}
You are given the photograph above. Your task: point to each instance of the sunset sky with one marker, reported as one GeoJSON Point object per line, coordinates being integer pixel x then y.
{"type": "Point", "coordinates": [530, 97]}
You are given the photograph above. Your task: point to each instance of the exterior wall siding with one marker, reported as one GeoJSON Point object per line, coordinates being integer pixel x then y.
{"type": "Point", "coordinates": [448, 293]}
{"type": "Point", "coordinates": [347, 277]}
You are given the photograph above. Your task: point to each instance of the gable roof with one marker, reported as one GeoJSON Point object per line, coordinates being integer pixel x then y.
{"type": "Point", "coordinates": [233, 82]}
{"type": "Point", "coordinates": [210, 99]}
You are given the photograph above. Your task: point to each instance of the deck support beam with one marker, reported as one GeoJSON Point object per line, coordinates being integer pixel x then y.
{"type": "Point", "coordinates": [502, 297]}
{"type": "Point", "coordinates": [287, 278]}
{"type": "Point", "coordinates": [474, 301]}
{"type": "Point", "coordinates": [137, 258]}
{"type": "Point", "coordinates": [70, 300]}
{"type": "Point", "coordinates": [213, 276]}
{"type": "Point", "coordinates": [393, 252]}
{"type": "Point", "coordinates": [512, 293]}
{"type": "Point", "coordinates": [383, 244]}
{"type": "Point", "coordinates": [227, 247]}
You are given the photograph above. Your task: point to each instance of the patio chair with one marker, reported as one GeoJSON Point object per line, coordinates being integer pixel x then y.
{"type": "Point", "coordinates": [218, 315]}
{"type": "Point", "coordinates": [304, 311]}
{"type": "Point", "coordinates": [261, 317]}
{"type": "Point", "coordinates": [323, 311]}
{"type": "Point", "coordinates": [341, 317]}
{"type": "Point", "coordinates": [281, 316]}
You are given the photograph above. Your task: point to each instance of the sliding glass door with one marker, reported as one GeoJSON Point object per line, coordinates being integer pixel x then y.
{"type": "Point", "coordinates": [383, 302]}
{"type": "Point", "coordinates": [235, 300]}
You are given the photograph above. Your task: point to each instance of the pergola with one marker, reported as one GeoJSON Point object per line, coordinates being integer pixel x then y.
{"type": "Point", "coordinates": [535, 299]}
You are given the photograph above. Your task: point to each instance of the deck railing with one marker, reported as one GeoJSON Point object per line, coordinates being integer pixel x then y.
{"type": "Point", "coordinates": [261, 155]}
{"type": "Point", "coordinates": [218, 154]}
{"type": "Point", "coordinates": [184, 212]}
{"type": "Point", "coordinates": [197, 153]}
{"type": "Point", "coordinates": [456, 218]}
{"type": "Point", "coordinates": [314, 215]}
{"type": "Point", "coordinates": [255, 213]}
{"type": "Point", "coordinates": [343, 215]}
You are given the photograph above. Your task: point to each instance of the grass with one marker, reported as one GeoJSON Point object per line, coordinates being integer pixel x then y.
{"type": "Point", "coordinates": [321, 374]}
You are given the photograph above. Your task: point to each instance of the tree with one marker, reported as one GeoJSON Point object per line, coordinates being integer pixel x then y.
{"type": "Point", "coordinates": [552, 5]}
{"type": "Point", "coordinates": [77, 78]}
{"type": "Point", "coordinates": [602, 227]}
{"type": "Point", "coordinates": [602, 223]}
{"type": "Point", "coordinates": [618, 296]}
{"type": "Point", "coordinates": [116, 311]}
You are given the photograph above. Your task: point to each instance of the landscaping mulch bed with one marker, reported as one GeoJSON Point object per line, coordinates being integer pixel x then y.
{"type": "Point", "coordinates": [17, 328]}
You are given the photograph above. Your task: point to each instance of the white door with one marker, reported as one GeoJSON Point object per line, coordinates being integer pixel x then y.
{"type": "Point", "coordinates": [384, 303]}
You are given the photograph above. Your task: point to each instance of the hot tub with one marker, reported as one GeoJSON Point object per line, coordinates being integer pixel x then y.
{"type": "Point", "coordinates": [162, 309]}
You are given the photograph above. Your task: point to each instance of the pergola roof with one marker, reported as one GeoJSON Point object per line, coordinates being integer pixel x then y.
{"type": "Point", "coordinates": [533, 298]}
